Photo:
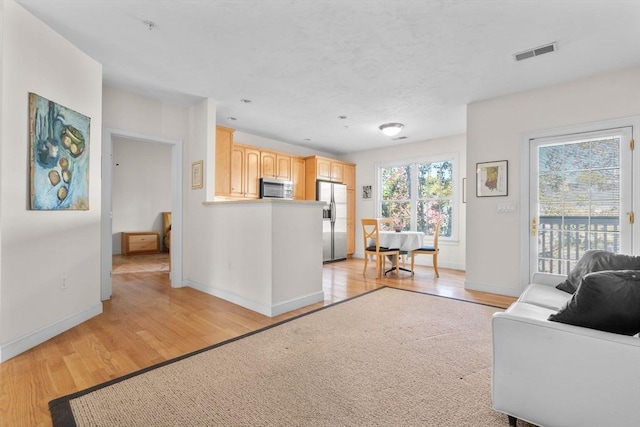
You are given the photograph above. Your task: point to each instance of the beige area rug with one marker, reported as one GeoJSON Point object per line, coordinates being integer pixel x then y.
{"type": "Point", "coordinates": [140, 263]}
{"type": "Point", "coordinates": [387, 358]}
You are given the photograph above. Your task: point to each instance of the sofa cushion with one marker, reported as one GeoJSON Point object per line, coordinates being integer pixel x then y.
{"type": "Point", "coordinates": [597, 260]}
{"type": "Point", "coordinates": [606, 300]}
{"type": "Point", "coordinates": [544, 296]}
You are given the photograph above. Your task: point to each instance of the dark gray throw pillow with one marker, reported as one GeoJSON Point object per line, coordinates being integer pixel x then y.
{"type": "Point", "coordinates": [597, 260]}
{"type": "Point", "coordinates": [607, 301]}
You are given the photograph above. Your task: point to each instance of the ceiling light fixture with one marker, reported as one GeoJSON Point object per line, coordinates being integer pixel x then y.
{"type": "Point", "coordinates": [391, 129]}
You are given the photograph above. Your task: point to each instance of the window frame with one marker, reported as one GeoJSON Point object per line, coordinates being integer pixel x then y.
{"type": "Point", "coordinates": [455, 194]}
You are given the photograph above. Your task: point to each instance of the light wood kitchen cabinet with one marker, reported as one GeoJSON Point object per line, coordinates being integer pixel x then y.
{"type": "Point", "coordinates": [252, 173]}
{"type": "Point", "coordinates": [275, 165]}
{"type": "Point", "coordinates": [237, 171]}
{"type": "Point", "coordinates": [322, 168]}
{"type": "Point", "coordinates": [337, 172]}
{"type": "Point", "coordinates": [268, 164]}
{"type": "Point", "coordinates": [349, 176]}
{"type": "Point", "coordinates": [349, 179]}
{"type": "Point", "coordinates": [298, 178]}
{"type": "Point", "coordinates": [245, 172]}
{"type": "Point", "coordinates": [329, 170]}
{"type": "Point", "coordinates": [351, 222]}
{"type": "Point", "coordinates": [224, 143]}
{"type": "Point", "coordinates": [284, 167]}
{"type": "Point", "coordinates": [325, 169]}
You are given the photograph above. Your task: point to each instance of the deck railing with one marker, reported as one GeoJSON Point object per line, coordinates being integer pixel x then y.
{"type": "Point", "coordinates": [563, 240]}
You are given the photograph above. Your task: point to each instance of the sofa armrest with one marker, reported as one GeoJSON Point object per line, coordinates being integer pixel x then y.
{"type": "Point", "coordinates": [554, 374]}
{"type": "Point", "coordinates": [548, 279]}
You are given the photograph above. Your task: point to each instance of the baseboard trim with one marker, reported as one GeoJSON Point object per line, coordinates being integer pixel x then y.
{"type": "Point", "coordinates": [267, 310]}
{"type": "Point", "coordinates": [297, 303]}
{"type": "Point", "coordinates": [33, 339]}
{"type": "Point", "coordinates": [493, 289]}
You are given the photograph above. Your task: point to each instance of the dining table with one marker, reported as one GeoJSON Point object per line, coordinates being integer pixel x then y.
{"type": "Point", "coordinates": [405, 241]}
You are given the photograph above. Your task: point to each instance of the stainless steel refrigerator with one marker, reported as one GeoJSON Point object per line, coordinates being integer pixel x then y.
{"type": "Point", "coordinates": [334, 220]}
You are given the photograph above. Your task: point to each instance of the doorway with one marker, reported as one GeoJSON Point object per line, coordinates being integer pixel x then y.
{"type": "Point", "coordinates": [108, 137]}
{"type": "Point", "coordinates": [580, 195]}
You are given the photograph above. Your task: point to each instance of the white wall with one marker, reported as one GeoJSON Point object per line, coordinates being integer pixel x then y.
{"type": "Point", "coordinates": [38, 248]}
{"type": "Point", "coordinates": [495, 129]}
{"type": "Point", "coordinates": [452, 252]}
{"type": "Point", "coordinates": [141, 187]}
{"type": "Point", "coordinates": [139, 114]}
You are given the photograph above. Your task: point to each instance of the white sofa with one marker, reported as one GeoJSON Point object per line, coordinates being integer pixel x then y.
{"type": "Point", "coordinates": [553, 374]}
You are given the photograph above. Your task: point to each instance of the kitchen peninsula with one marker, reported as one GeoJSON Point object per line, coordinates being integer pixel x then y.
{"type": "Point", "coordinates": [272, 262]}
{"type": "Point", "coordinates": [267, 254]}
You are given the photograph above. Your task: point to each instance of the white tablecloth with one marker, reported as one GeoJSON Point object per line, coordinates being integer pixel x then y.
{"type": "Point", "coordinates": [404, 240]}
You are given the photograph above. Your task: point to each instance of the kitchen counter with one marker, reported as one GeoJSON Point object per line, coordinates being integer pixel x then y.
{"type": "Point", "coordinates": [266, 254]}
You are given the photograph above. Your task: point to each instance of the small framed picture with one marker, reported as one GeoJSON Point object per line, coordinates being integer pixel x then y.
{"type": "Point", "coordinates": [492, 179]}
{"type": "Point", "coordinates": [366, 192]}
{"type": "Point", "coordinates": [196, 175]}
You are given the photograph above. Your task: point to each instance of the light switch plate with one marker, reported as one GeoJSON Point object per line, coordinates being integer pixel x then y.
{"type": "Point", "coordinates": [509, 207]}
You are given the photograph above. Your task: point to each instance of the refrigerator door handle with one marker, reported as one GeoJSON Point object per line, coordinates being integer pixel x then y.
{"type": "Point", "coordinates": [333, 211]}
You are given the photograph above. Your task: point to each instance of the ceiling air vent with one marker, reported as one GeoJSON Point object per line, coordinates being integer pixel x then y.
{"type": "Point", "coordinates": [552, 47]}
{"type": "Point", "coordinates": [400, 138]}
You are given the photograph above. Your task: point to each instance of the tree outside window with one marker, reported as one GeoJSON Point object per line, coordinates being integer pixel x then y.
{"type": "Point", "coordinates": [417, 195]}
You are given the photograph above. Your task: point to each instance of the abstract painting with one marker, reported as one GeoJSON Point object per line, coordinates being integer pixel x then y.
{"type": "Point", "coordinates": [59, 148]}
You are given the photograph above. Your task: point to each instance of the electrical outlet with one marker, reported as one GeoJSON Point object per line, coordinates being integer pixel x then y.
{"type": "Point", "coordinates": [63, 285]}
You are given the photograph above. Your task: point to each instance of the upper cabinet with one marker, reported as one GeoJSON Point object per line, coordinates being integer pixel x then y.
{"type": "Point", "coordinates": [324, 169]}
{"type": "Point", "coordinates": [298, 178]}
{"type": "Point", "coordinates": [349, 176]}
{"type": "Point", "coordinates": [276, 165]}
{"type": "Point", "coordinates": [239, 168]}
{"type": "Point", "coordinates": [224, 143]}
{"type": "Point", "coordinates": [245, 172]}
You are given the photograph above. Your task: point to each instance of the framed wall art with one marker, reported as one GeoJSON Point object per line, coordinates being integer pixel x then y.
{"type": "Point", "coordinates": [196, 175]}
{"type": "Point", "coordinates": [492, 179]}
{"type": "Point", "coordinates": [366, 192]}
{"type": "Point", "coordinates": [59, 156]}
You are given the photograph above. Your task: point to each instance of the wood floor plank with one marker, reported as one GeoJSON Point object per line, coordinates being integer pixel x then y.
{"type": "Point", "coordinates": [147, 322]}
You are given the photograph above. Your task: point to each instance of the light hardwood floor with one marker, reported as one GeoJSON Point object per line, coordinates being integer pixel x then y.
{"type": "Point", "coordinates": [147, 322]}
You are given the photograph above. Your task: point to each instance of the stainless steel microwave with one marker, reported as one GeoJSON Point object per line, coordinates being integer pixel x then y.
{"type": "Point", "coordinates": [276, 188]}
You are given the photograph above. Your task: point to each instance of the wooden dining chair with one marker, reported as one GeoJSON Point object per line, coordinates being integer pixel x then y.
{"type": "Point", "coordinates": [370, 232]}
{"type": "Point", "coordinates": [429, 250]}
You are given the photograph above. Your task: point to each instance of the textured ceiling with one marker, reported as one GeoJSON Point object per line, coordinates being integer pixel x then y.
{"type": "Point", "coordinates": [305, 63]}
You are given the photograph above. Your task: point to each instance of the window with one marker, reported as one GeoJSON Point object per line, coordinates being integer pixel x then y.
{"type": "Point", "coordinates": [418, 194]}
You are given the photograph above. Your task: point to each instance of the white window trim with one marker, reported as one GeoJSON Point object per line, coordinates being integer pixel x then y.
{"type": "Point", "coordinates": [456, 200]}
